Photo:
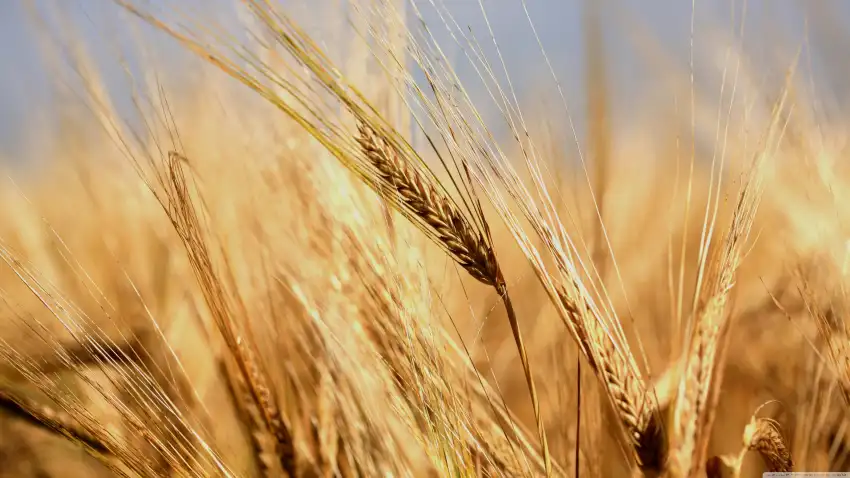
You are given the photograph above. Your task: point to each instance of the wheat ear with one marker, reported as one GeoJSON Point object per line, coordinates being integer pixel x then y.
{"type": "Point", "coordinates": [615, 367]}
{"type": "Point", "coordinates": [180, 208]}
{"type": "Point", "coordinates": [465, 244]}
{"type": "Point", "coordinates": [763, 436]}
{"type": "Point", "coordinates": [699, 384]}
{"type": "Point", "coordinates": [413, 192]}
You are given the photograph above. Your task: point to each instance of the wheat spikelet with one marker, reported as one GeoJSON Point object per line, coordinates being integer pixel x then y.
{"type": "Point", "coordinates": [616, 369]}
{"type": "Point", "coordinates": [763, 436]}
{"type": "Point", "coordinates": [692, 400]}
{"type": "Point", "coordinates": [465, 244]}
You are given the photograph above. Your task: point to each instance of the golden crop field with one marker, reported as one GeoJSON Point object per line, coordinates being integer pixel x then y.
{"type": "Point", "coordinates": [284, 239]}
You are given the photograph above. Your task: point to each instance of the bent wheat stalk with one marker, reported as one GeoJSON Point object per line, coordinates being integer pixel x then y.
{"type": "Point", "coordinates": [57, 421]}
{"type": "Point", "coordinates": [596, 330]}
{"type": "Point", "coordinates": [180, 209]}
{"type": "Point", "coordinates": [411, 191]}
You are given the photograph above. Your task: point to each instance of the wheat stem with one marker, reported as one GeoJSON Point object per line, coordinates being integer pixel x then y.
{"type": "Point", "coordinates": [403, 183]}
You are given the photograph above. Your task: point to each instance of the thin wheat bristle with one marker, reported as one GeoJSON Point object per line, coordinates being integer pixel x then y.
{"type": "Point", "coordinates": [57, 420]}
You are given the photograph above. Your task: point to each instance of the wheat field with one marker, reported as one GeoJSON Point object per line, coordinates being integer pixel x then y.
{"type": "Point", "coordinates": [333, 242]}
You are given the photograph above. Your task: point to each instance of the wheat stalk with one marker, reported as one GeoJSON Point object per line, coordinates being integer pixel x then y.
{"type": "Point", "coordinates": [699, 385]}
{"type": "Point", "coordinates": [181, 211]}
{"type": "Point", "coordinates": [405, 185]}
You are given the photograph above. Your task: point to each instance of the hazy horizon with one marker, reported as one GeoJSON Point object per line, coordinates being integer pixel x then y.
{"type": "Point", "coordinates": [25, 89]}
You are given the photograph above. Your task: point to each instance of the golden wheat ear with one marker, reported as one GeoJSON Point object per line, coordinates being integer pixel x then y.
{"type": "Point", "coordinates": [763, 436]}
{"type": "Point", "coordinates": [180, 208]}
{"type": "Point", "coordinates": [414, 192]}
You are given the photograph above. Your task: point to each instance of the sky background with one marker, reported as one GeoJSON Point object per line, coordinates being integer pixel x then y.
{"type": "Point", "coordinates": [25, 87]}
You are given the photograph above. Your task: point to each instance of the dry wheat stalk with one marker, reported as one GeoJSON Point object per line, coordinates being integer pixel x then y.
{"type": "Point", "coordinates": [181, 211]}
{"type": "Point", "coordinates": [404, 184]}
{"type": "Point", "coordinates": [699, 385]}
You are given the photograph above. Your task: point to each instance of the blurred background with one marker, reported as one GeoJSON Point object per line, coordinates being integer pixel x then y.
{"type": "Point", "coordinates": [640, 37]}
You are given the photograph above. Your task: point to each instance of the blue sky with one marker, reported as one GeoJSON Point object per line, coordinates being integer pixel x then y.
{"type": "Point", "coordinates": [24, 86]}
